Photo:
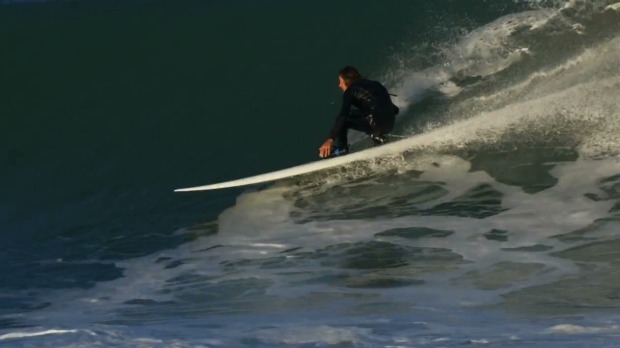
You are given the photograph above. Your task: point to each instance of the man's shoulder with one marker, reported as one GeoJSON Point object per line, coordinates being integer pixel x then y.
{"type": "Point", "coordinates": [362, 87]}
{"type": "Point", "coordinates": [367, 83]}
{"type": "Point", "coordinates": [362, 84]}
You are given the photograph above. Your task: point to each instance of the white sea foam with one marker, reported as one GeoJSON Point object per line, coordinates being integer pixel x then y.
{"type": "Point", "coordinates": [570, 329]}
{"type": "Point", "coordinates": [483, 52]}
{"type": "Point", "coordinates": [497, 46]}
{"type": "Point", "coordinates": [313, 335]}
{"type": "Point", "coordinates": [16, 335]}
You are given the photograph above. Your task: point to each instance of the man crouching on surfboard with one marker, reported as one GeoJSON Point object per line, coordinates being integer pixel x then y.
{"type": "Point", "coordinates": [375, 114]}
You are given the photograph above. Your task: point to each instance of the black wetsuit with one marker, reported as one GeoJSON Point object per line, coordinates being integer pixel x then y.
{"type": "Point", "coordinates": [375, 114]}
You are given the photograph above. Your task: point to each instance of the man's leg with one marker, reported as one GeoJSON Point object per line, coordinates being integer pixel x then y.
{"type": "Point", "coordinates": [356, 122]}
{"type": "Point", "coordinates": [379, 139]}
{"type": "Point", "coordinates": [365, 125]}
{"type": "Point", "coordinates": [362, 124]}
{"type": "Point", "coordinates": [381, 129]}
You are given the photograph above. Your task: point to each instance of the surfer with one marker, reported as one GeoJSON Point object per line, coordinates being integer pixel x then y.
{"type": "Point", "coordinates": [375, 114]}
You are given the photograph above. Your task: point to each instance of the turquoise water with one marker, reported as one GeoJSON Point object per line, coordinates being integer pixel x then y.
{"type": "Point", "coordinates": [494, 224]}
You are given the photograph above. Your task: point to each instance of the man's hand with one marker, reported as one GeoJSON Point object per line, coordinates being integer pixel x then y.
{"type": "Point", "coordinates": [326, 148]}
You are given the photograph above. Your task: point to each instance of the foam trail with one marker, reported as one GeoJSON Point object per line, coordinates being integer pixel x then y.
{"type": "Point", "coordinates": [483, 52]}
{"type": "Point", "coordinates": [502, 44]}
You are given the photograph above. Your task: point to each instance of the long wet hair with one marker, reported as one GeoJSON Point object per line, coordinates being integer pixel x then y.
{"type": "Point", "coordinates": [349, 74]}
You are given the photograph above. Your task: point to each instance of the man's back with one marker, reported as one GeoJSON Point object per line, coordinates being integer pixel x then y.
{"type": "Point", "coordinates": [369, 96]}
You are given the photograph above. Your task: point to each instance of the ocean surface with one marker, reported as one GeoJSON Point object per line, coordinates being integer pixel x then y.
{"type": "Point", "coordinates": [496, 224]}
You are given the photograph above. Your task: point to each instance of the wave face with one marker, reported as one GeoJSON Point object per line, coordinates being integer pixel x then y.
{"type": "Point", "coordinates": [496, 221]}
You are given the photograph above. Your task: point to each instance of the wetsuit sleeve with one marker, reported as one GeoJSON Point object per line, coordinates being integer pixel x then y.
{"type": "Point", "coordinates": [345, 110]}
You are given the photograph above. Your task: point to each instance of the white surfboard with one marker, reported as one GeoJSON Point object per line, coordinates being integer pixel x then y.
{"type": "Point", "coordinates": [366, 154]}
